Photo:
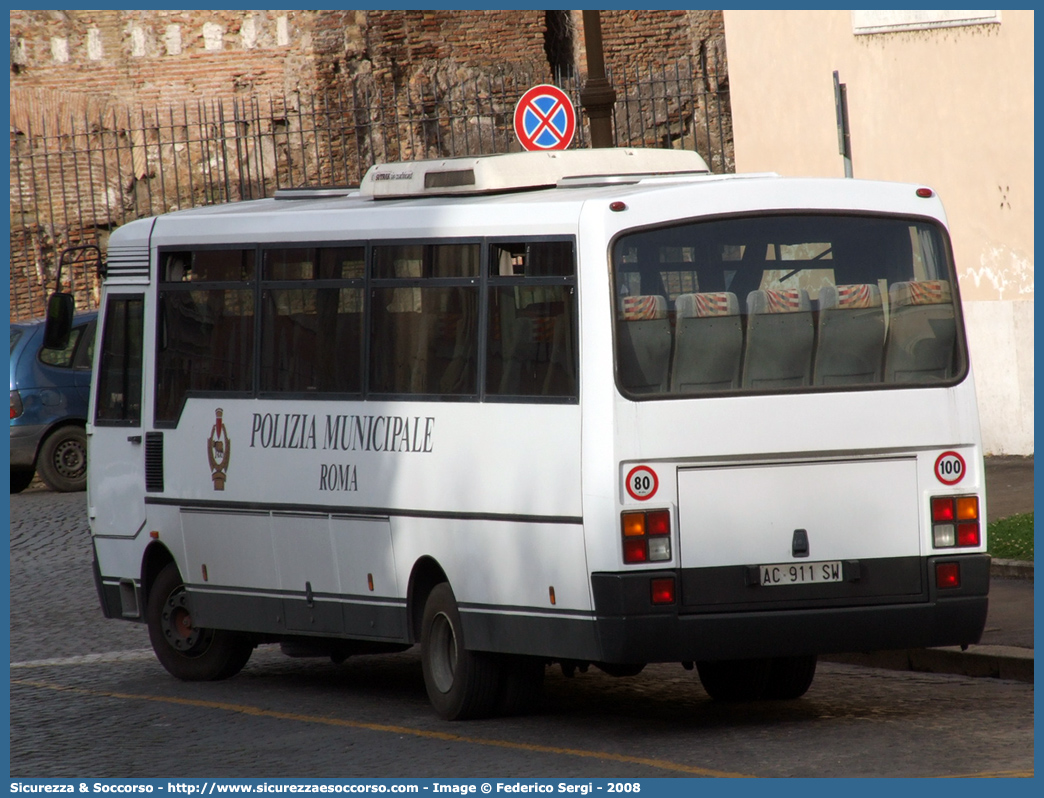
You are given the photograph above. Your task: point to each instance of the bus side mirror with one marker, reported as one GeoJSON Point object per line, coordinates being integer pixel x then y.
{"type": "Point", "coordinates": [60, 310]}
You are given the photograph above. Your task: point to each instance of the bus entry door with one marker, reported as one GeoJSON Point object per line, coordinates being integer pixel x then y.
{"type": "Point", "coordinates": [115, 452]}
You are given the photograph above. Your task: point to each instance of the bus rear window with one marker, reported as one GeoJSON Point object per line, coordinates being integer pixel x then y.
{"type": "Point", "coordinates": [781, 303]}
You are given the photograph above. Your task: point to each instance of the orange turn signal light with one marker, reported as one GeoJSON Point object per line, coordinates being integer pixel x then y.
{"type": "Point", "coordinates": [967, 508]}
{"type": "Point", "coordinates": [633, 524]}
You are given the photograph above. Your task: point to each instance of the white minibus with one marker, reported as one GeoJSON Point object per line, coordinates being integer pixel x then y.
{"type": "Point", "coordinates": [587, 407]}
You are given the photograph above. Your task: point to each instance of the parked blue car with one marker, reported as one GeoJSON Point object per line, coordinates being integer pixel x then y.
{"type": "Point", "coordinates": [49, 393]}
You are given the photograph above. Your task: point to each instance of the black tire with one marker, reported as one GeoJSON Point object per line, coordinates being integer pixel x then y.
{"type": "Point", "coordinates": [735, 680]}
{"type": "Point", "coordinates": [62, 461]}
{"type": "Point", "coordinates": [790, 677]}
{"type": "Point", "coordinates": [190, 653]}
{"type": "Point", "coordinates": [521, 686]}
{"type": "Point", "coordinates": [20, 478]}
{"type": "Point", "coordinates": [618, 671]}
{"type": "Point", "coordinates": [461, 684]}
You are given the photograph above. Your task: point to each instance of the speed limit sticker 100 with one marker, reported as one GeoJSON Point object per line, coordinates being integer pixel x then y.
{"type": "Point", "coordinates": [641, 483]}
{"type": "Point", "coordinates": [949, 468]}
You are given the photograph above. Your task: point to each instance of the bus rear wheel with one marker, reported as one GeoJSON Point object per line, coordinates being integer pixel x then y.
{"type": "Point", "coordinates": [522, 684]}
{"type": "Point", "coordinates": [461, 684]}
{"type": "Point", "coordinates": [790, 677]}
{"type": "Point", "coordinates": [189, 652]}
{"type": "Point", "coordinates": [777, 678]}
{"type": "Point", "coordinates": [735, 680]}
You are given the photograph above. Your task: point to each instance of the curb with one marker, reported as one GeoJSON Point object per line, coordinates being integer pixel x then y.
{"type": "Point", "coordinates": [998, 662]}
{"type": "Point", "coordinates": [1011, 569]}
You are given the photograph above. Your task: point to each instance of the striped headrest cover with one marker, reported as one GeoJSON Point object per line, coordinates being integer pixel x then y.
{"type": "Point", "coordinates": [927, 292]}
{"type": "Point", "coordinates": [860, 295]}
{"type": "Point", "coordinates": [716, 303]}
{"type": "Point", "coordinates": [543, 329]}
{"type": "Point", "coordinates": [644, 308]}
{"type": "Point", "coordinates": [784, 300]}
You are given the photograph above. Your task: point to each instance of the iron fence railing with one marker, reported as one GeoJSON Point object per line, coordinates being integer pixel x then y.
{"type": "Point", "coordinates": [77, 177]}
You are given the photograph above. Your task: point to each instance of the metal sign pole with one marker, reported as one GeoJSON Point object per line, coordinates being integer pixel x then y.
{"type": "Point", "coordinates": [844, 134]}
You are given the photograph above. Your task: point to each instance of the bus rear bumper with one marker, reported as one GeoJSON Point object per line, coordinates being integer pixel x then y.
{"type": "Point", "coordinates": [682, 638]}
{"type": "Point", "coordinates": [629, 632]}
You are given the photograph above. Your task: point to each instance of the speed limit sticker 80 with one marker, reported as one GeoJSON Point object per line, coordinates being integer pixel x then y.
{"type": "Point", "coordinates": [641, 483]}
{"type": "Point", "coordinates": [950, 468]}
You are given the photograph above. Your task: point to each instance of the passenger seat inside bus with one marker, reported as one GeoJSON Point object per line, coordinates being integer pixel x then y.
{"type": "Point", "coordinates": [921, 332]}
{"type": "Point", "coordinates": [851, 335]}
{"type": "Point", "coordinates": [778, 351]}
{"type": "Point", "coordinates": [708, 342]}
{"type": "Point", "coordinates": [644, 343]}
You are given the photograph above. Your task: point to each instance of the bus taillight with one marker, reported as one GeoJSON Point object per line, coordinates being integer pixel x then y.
{"type": "Point", "coordinates": [662, 590]}
{"type": "Point", "coordinates": [955, 522]}
{"type": "Point", "coordinates": [947, 574]}
{"type": "Point", "coordinates": [646, 536]}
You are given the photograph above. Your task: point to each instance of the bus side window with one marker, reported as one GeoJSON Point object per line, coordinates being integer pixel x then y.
{"type": "Point", "coordinates": [424, 320]}
{"type": "Point", "coordinates": [206, 302]}
{"type": "Point", "coordinates": [311, 331]}
{"type": "Point", "coordinates": [120, 365]}
{"type": "Point", "coordinates": [531, 331]}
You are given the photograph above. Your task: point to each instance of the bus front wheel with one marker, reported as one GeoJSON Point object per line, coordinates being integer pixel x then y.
{"type": "Point", "coordinates": [189, 652]}
{"type": "Point", "coordinates": [461, 684]}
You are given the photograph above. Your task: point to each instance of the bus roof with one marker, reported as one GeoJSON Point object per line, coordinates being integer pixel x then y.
{"type": "Point", "coordinates": [656, 184]}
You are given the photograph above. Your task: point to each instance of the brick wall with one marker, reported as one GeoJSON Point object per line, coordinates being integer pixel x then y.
{"type": "Point", "coordinates": [72, 68]}
{"type": "Point", "coordinates": [158, 58]}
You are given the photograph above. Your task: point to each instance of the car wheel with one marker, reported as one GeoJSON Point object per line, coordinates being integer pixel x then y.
{"type": "Point", "coordinates": [20, 478]}
{"type": "Point", "coordinates": [187, 651]}
{"type": "Point", "coordinates": [62, 462]}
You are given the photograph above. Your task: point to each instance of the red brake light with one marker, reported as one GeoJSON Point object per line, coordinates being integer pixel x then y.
{"type": "Point", "coordinates": [634, 550]}
{"type": "Point", "coordinates": [663, 590]}
{"type": "Point", "coordinates": [658, 522]}
{"type": "Point", "coordinates": [968, 534]}
{"type": "Point", "coordinates": [942, 509]}
{"type": "Point", "coordinates": [947, 574]}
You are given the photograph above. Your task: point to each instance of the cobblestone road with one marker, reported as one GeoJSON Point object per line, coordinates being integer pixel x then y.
{"type": "Point", "coordinates": [88, 699]}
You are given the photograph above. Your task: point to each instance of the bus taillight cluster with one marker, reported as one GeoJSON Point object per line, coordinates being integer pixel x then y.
{"type": "Point", "coordinates": [955, 522]}
{"type": "Point", "coordinates": [646, 536]}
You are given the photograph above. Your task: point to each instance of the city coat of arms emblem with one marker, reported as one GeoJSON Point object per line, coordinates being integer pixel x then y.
{"type": "Point", "coordinates": [219, 449]}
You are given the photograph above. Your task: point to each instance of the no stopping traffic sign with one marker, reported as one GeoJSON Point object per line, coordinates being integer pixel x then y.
{"type": "Point", "coordinates": [545, 119]}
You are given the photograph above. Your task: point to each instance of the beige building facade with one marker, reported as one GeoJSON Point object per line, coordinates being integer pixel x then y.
{"type": "Point", "coordinates": [943, 99]}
